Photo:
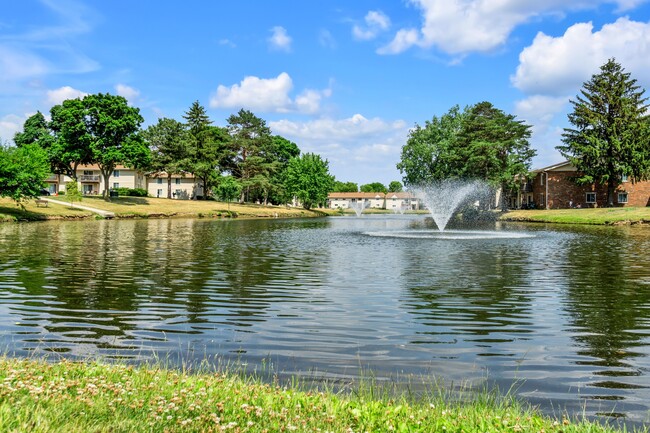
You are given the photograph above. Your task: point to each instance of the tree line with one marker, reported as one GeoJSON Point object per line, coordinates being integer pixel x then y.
{"type": "Point", "coordinates": [242, 160]}
{"type": "Point", "coordinates": [609, 140]}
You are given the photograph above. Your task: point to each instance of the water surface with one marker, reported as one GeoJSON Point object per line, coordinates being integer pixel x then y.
{"type": "Point", "coordinates": [561, 312]}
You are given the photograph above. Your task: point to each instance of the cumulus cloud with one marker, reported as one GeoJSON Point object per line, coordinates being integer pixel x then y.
{"type": "Point", "coordinates": [9, 125]}
{"type": "Point", "coordinates": [462, 26]}
{"type": "Point", "coordinates": [57, 96]}
{"type": "Point", "coordinates": [279, 39]}
{"type": "Point", "coordinates": [349, 143]}
{"type": "Point", "coordinates": [268, 95]}
{"type": "Point", "coordinates": [375, 23]}
{"type": "Point", "coordinates": [559, 65]}
{"type": "Point", "coordinates": [127, 92]}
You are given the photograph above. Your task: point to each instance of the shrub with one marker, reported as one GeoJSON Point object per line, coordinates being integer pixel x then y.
{"type": "Point", "coordinates": [131, 192]}
{"type": "Point", "coordinates": [61, 193]}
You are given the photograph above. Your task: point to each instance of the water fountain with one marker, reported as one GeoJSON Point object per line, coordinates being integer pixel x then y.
{"type": "Point", "coordinates": [442, 198]}
{"type": "Point", "coordinates": [358, 207]}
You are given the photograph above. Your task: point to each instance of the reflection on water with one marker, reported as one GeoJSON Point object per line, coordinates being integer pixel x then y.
{"type": "Point", "coordinates": [562, 312]}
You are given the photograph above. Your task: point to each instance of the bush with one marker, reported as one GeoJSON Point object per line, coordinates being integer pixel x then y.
{"type": "Point", "coordinates": [131, 192]}
{"type": "Point", "coordinates": [61, 193]}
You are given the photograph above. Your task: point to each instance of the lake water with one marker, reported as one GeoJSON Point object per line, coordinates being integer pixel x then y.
{"type": "Point", "coordinates": [563, 313]}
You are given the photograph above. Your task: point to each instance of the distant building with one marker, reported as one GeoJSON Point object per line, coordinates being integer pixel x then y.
{"type": "Point", "coordinates": [553, 187]}
{"type": "Point", "coordinates": [373, 200]}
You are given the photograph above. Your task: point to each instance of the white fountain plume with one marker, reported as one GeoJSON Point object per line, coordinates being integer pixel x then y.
{"type": "Point", "coordinates": [442, 198]}
{"type": "Point", "coordinates": [358, 207]}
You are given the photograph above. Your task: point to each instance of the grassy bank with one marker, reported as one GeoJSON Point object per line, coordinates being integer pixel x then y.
{"type": "Point", "coordinates": [619, 215]}
{"type": "Point", "coordinates": [92, 397]}
{"type": "Point", "coordinates": [136, 207]}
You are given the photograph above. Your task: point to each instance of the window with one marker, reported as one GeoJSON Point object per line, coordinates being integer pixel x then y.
{"type": "Point", "coordinates": [159, 181]}
{"type": "Point", "coordinates": [623, 177]}
{"type": "Point", "coordinates": [116, 185]}
{"type": "Point", "coordinates": [178, 181]}
{"type": "Point", "coordinates": [591, 197]}
{"type": "Point", "coordinates": [116, 173]}
{"type": "Point", "coordinates": [159, 193]}
{"type": "Point", "coordinates": [88, 172]}
{"type": "Point", "coordinates": [622, 197]}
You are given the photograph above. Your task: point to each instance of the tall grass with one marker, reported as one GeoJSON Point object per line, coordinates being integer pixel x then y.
{"type": "Point", "coordinates": [36, 396]}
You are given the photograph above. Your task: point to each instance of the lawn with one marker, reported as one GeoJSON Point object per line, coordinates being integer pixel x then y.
{"type": "Point", "coordinates": [617, 215]}
{"type": "Point", "coordinates": [10, 211]}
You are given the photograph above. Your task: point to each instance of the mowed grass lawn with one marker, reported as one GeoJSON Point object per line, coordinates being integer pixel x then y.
{"type": "Point", "coordinates": [617, 215]}
{"type": "Point", "coordinates": [10, 211]}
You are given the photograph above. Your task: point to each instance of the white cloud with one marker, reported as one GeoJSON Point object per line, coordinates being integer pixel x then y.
{"type": "Point", "coordinates": [57, 96]}
{"type": "Point", "coordinates": [127, 92]}
{"type": "Point", "coordinates": [227, 43]}
{"type": "Point", "coordinates": [268, 95]}
{"type": "Point", "coordinates": [326, 39]}
{"type": "Point", "coordinates": [376, 22]}
{"type": "Point", "coordinates": [359, 149]}
{"type": "Point", "coordinates": [559, 66]}
{"type": "Point", "coordinates": [9, 125]}
{"type": "Point", "coordinates": [280, 40]}
{"type": "Point", "coordinates": [462, 26]}
{"type": "Point", "coordinates": [17, 65]}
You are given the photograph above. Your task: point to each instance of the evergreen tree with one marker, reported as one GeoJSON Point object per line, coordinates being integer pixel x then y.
{"type": "Point", "coordinates": [168, 142]}
{"type": "Point", "coordinates": [35, 130]}
{"type": "Point", "coordinates": [610, 134]}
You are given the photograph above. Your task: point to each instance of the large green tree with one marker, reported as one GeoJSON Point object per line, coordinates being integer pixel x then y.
{"type": "Point", "coordinates": [278, 156]}
{"type": "Point", "coordinates": [251, 142]}
{"type": "Point", "coordinates": [479, 142]}
{"type": "Point", "coordinates": [23, 171]}
{"type": "Point", "coordinates": [395, 186]}
{"type": "Point", "coordinates": [70, 146]}
{"type": "Point", "coordinates": [208, 147]}
{"type": "Point", "coordinates": [113, 129]}
{"type": "Point", "coordinates": [309, 180]}
{"type": "Point", "coordinates": [610, 134]}
{"type": "Point", "coordinates": [168, 143]}
{"type": "Point", "coordinates": [35, 130]}
{"type": "Point", "coordinates": [430, 153]}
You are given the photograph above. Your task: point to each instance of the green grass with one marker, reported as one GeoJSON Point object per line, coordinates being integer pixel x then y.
{"type": "Point", "coordinates": [93, 397]}
{"type": "Point", "coordinates": [618, 215]}
{"type": "Point", "coordinates": [10, 211]}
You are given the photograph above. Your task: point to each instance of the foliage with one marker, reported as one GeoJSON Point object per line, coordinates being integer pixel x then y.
{"type": "Point", "coordinates": [72, 192]}
{"type": "Point", "coordinates": [308, 179]}
{"type": "Point", "coordinates": [344, 186]}
{"type": "Point", "coordinates": [610, 131]}
{"type": "Point", "coordinates": [22, 171]}
{"type": "Point", "coordinates": [280, 153]}
{"type": "Point", "coordinates": [168, 143]}
{"type": "Point", "coordinates": [70, 146]}
{"type": "Point", "coordinates": [228, 189]}
{"type": "Point", "coordinates": [35, 130]}
{"type": "Point", "coordinates": [112, 128]}
{"type": "Point", "coordinates": [480, 142]}
{"type": "Point", "coordinates": [251, 142]}
{"type": "Point", "coordinates": [131, 192]}
{"type": "Point", "coordinates": [395, 186]}
{"type": "Point", "coordinates": [373, 187]}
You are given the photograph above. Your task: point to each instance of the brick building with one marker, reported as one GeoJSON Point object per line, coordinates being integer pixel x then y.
{"type": "Point", "coordinates": [553, 188]}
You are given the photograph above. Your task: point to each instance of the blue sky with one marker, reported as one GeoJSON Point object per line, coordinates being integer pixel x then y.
{"type": "Point", "coordinates": [344, 79]}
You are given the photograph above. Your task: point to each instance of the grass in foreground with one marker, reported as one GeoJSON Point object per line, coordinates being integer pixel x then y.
{"type": "Point", "coordinates": [618, 215]}
{"type": "Point", "coordinates": [91, 397]}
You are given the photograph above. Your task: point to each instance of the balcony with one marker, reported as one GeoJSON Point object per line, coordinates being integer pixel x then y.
{"type": "Point", "coordinates": [89, 178]}
{"type": "Point", "coordinates": [52, 178]}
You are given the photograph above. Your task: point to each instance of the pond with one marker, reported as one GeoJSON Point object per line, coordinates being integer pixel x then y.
{"type": "Point", "coordinates": [559, 314]}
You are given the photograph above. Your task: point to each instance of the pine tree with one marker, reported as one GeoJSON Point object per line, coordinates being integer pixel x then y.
{"type": "Point", "coordinates": [610, 131]}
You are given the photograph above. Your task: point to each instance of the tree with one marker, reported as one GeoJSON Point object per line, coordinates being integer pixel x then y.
{"type": "Point", "coordinates": [344, 186]}
{"type": "Point", "coordinates": [429, 153]}
{"type": "Point", "coordinates": [395, 186]}
{"type": "Point", "coordinates": [70, 146]}
{"type": "Point", "coordinates": [373, 187]}
{"type": "Point", "coordinates": [610, 131]}
{"type": "Point", "coordinates": [23, 171]}
{"type": "Point", "coordinates": [277, 158]}
{"type": "Point", "coordinates": [35, 130]}
{"type": "Point", "coordinates": [72, 192]}
{"type": "Point", "coordinates": [168, 143]}
{"type": "Point", "coordinates": [228, 189]}
{"type": "Point", "coordinates": [308, 179]}
{"type": "Point", "coordinates": [251, 142]}
{"type": "Point", "coordinates": [112, 129]}
{"type": "Point", "coordinates": [493, 146]}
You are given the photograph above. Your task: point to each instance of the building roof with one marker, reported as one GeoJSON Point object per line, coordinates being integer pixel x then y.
{"type": "Point", "coordinates": [553, 167]}
{"type": "Point", "coordinates": [350, 195]}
